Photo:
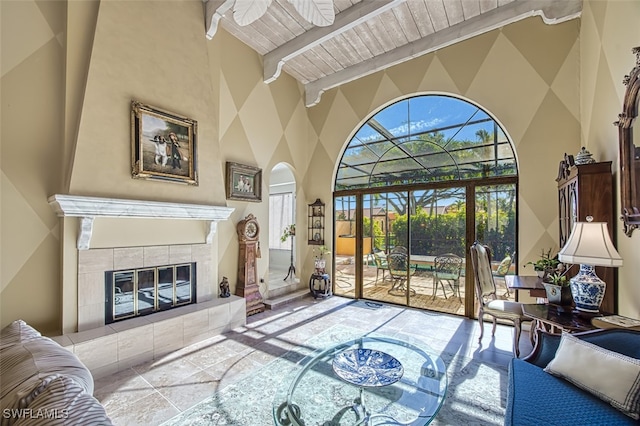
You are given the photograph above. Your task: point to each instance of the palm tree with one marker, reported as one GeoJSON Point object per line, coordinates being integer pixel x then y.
{"type": "Point", "coordinates": [484, 136]}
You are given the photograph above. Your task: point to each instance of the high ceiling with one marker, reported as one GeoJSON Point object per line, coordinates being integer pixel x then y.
{"type": "Point", "coordinates": [369, 35]}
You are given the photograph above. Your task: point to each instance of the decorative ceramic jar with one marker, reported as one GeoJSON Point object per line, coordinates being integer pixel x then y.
{"type": "Point", "coordinates": [558, 294]}
{"type": "Point", "coordinates": [320, 265]}
{"type": "Point", "coordinates": [584, 157]}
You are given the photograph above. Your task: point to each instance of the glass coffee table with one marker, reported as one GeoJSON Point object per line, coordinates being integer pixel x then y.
{"type": "Point", "coordinates": [371, 380]}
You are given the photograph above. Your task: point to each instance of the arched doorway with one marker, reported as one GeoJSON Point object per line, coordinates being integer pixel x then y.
{"type": "Point", "coordinates": [282, 207]}
{"type": "Point", "coordinates": [426, 176]}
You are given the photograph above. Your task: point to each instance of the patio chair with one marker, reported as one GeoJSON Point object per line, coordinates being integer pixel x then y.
{"type": "Point", "coordinates": [488, 303]}
{"type": "Point", "coordinates": [447, 267]}
{"type": "Point", "coordinates": [400, 249]}
{"type": "Point", "coordinates": [381, 264]}
{"type": "Point", "coordinates": [503, 269]}
{"type": "Point", "coordinates": [399, 269]}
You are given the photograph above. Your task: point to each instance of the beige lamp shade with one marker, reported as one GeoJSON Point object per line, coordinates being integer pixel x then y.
{"type": "Point", "coordinates": [590, 244]}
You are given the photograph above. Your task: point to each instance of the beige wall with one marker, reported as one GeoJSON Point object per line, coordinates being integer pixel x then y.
{"type": "Point", "coordinates": [70, 70]}
{"type": "Point", "coordinates": [608, 32]}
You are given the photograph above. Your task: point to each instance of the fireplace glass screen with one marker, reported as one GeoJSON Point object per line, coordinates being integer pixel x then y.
{"type": "Point", "coordinates": [143, 291]}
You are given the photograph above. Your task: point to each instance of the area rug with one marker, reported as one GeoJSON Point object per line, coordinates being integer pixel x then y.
{"type": "Point", "coordinates": [475, 396]}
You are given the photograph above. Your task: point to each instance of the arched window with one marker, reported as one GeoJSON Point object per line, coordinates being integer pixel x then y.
{"type": "Point", "coordinates": [429, 138]}
{"type": "Point", "coordinates": [424, 176]}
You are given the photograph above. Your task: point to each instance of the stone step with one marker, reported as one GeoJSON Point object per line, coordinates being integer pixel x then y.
{"type": "Point", "coordinates": [278, 302]}
{"type": "Point", "coordinates": [279, 288]}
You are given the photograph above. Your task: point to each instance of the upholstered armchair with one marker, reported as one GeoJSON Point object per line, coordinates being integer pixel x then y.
{"type": "Point", "coordinates": [488, 302]}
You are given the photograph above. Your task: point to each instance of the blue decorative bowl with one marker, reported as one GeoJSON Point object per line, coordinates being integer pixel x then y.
{"type": "Point", "coordinates": [367, 367]}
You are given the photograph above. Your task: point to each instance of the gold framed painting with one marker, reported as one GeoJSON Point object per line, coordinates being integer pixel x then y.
{"type": "Point", "coordinates": [163, 145]}
{"type": "Point", "coordinates": [244, 183]}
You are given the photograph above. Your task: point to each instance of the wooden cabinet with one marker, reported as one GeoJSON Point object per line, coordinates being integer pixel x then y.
{"type": "Point", "coordinates": [587, 190]}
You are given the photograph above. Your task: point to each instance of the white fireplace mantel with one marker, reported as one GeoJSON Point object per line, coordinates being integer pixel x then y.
{"type": "Point", "coordinates": [88, 208]}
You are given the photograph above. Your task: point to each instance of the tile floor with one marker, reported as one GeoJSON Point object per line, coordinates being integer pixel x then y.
{"type": "Point", "coordinates": [153, 392]}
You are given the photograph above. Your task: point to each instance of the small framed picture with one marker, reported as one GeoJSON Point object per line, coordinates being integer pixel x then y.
{"type": "Point", "coordinates": [244, 183]}
{"type": "Point", "coordinates": [163, 145]}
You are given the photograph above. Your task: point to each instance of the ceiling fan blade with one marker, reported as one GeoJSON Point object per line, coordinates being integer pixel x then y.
{"type": "Point", "coordinates": [247, 11]}
{"type": "Point", "coordinates": [318, 12]}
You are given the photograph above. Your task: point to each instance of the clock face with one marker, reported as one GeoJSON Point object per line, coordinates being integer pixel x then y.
{"type": "Point", "coordinates": [250, 230]}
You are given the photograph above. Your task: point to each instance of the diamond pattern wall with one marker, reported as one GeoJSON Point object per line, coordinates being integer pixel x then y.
{"type": "Point", "coordinates": [32, 128]}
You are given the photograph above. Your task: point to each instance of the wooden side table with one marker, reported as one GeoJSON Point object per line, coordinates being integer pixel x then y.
{"type": "Point", "coordinates": [555, 319]}
{"type": "Point", "coordinates": [524, 282]}
{"type": "Point", "coordinates": [320, 285]}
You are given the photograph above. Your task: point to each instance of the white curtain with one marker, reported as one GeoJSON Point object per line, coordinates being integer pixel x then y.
{"type": "Point", "coordinates": [280, 216]}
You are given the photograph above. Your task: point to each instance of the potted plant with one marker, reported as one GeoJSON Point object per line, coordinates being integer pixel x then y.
{"type": "Point", "coordinates": [320, 262]}
{"type": "Point", "coordinates": [545, 265]}
{"type": "Point", "coordinates": [289, 231]}
{"type": "Point", "coordinates": [557, 287]}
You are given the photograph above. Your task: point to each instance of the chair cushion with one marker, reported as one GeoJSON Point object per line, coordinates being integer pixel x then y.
{"type": "Point", "coordinates": [504, 308]}
{"type": "Point", "coordinates": [381, 259]}
{"type": "Point", "coordinates": [448, 276]}
{"type": "Point", "coordinates": [610, 376]}
{"type": "Point", "coordinates": [503, 267]}
{"type": "Point", "coordinates": [536, 398]}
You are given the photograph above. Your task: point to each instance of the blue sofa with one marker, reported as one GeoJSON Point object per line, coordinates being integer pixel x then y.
{"type": "Point", "coordinates": [535, 397]}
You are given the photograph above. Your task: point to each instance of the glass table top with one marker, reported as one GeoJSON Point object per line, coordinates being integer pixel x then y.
{"type": "Point", "coordinates": [314, 394]}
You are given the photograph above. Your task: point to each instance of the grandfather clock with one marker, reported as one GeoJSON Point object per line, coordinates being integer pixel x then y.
{"type": "Point", "coordinates": [247, 287]}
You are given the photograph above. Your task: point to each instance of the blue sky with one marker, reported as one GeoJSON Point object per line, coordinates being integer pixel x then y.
{"type": "Point", "coordinates": [423, 113]}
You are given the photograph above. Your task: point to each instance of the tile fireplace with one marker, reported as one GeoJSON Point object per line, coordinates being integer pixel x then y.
{"type": "Point", "coordinates": [144, 274]}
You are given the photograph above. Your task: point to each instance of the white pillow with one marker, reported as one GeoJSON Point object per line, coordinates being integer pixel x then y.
{"type": "Point", "coordinates": [612, 377]}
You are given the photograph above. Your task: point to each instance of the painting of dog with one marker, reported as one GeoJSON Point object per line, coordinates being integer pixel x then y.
{"type": "Point", "coordinates": [163, 145]}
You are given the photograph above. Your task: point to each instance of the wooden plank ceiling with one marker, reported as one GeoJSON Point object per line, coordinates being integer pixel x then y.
{"type": "Point", "coordinates": [370, 35]}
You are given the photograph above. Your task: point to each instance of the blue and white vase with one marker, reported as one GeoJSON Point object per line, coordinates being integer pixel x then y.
{"type": "Point", "coordinates": [587, 289]}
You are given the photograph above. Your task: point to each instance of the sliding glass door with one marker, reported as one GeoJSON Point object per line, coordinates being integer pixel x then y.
{"type": "Point", "coordinates": [437, 224]}
{"type": "Point", "coordinates": [385, 275]}
{"type": "Point", "coordinates": [403, 235]}
{"type": "Point", "coordinates": [495, 226]}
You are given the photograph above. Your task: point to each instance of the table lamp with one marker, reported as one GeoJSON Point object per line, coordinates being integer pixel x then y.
{"type": "Point", "coordinates": [589, 245]}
